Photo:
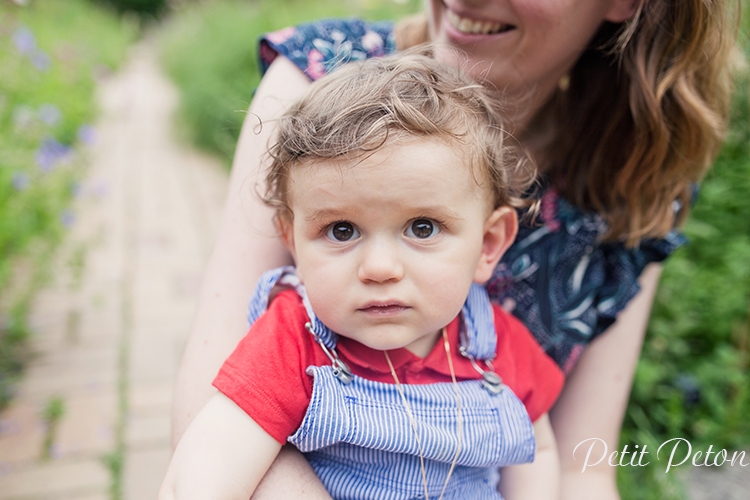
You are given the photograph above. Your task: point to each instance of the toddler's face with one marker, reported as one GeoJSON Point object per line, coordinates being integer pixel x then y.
{"type": "Point", "coordinates": [388, 246]}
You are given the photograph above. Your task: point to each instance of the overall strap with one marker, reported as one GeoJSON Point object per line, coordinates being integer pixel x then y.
{"type": "Point", "coordinates": [259, 300]}
{"type": "Point", "coordinates": [286, 277]}
{"type": "Point", "coordinates": [478, 337]}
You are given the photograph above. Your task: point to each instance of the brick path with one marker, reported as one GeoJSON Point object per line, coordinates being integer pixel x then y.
{"type": "Point", "coordinates": [112, 331]}
{"type": "Point", "coordinates": [108, 333]}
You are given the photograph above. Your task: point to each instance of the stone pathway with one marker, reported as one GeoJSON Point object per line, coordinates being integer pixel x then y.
{"type": "Point", "coordinates": [109, 331]}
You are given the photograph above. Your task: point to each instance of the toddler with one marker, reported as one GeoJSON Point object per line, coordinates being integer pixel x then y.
{"type": "Point", "coordinates": [380, 355]}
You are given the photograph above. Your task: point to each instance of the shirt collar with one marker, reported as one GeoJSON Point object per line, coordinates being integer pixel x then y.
{"type": "Point", "coordinates": [360, 355]}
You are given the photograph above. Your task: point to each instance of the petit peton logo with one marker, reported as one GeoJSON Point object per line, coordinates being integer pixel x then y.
{"type": "Point", "coordinates": [679, 449]}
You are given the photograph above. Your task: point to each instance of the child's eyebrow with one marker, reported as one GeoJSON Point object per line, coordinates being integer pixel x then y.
{"type": "Point", "coordinates": [437, 212]}
{"type": "Point", "coordinates": [326, 214]}
{"type": "Point", "coordinates": [442, 213]}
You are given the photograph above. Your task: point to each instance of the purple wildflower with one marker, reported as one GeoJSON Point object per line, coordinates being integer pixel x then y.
{"type": "Point", "coordinates": [20, 181]}
{"type": "Point", "coordinates": [40, 60]}
{"type": "Point", "coordinates": [67, 218]}
{"type": "Point", "coordinates": [24, 41]}
{"type": "Point", "coordinates": [50, 114]}
{"type": "Point", "coordinates": [50, 153]}
{"type": "Point", "coordinates": [87, 134]}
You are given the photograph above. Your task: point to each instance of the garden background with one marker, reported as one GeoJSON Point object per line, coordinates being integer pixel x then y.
{"type": "Point", "coordinates": [692, 380]}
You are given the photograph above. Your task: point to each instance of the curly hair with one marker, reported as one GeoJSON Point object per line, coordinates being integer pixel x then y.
{"type": "Point", "coordinates": [642, 116]}
{"type": "Point", "coordinates": [362, 107]}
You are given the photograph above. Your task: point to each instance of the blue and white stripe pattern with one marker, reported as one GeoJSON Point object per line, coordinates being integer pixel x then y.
{"type": "Point", "coordinates": [478, 317]}
{"type": "Point", "coordinates": [286, 277]}
{"type": "Point", "coordinates": [359, 439]}
{"type": "Point", "coordinates": [259, 300]}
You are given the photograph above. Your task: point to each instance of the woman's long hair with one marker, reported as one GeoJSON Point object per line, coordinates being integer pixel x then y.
{"type": "Point", "coordinates": [642, 116]}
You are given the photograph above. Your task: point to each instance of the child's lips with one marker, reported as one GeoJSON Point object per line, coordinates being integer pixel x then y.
{"type": "Point", "coordinates": [383, 308]}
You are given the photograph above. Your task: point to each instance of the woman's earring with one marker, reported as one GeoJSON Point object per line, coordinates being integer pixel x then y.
{"type": "Point", "coordinates": [564, 82]}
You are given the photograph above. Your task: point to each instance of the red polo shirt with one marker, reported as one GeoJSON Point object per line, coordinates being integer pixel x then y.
{"type": "Point", "coordinates": [266, 377]}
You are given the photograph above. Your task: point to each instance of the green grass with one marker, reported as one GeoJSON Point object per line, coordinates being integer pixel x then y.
{"type": "Point", "coordinates": [51, 416]}
{"type": "Point", "coordinates": [210, 51]}
{"type": "Point", "coordinates": [693, 379]}
{"type": "Point", "coordinates": [51, 53]}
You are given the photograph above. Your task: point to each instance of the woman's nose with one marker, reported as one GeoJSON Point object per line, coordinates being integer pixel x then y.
{"type": "Point", "coordinates": [380, 262]}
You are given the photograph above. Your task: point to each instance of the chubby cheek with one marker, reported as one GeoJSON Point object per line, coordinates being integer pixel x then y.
{"type": "Point", "coordinates": [323, 277]}
{"type": "Point", "coordinates": [447, 284]}
{"type": "Point", "coordinates": [328, 297]}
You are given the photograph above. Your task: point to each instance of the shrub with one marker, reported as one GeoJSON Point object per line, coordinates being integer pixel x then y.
{"type": "Point", "coordinates": [50, 54]}
{"type": "Point", "coordinates": [692, 380]}
{"type": "Point", "coordinates": [144, 8]}
{"type": "Point", "coordinates": [210, 51]}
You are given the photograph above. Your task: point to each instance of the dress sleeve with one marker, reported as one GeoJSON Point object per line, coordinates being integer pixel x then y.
{"type": "Point", "coordinates": [621, 272]}
{"type": "Point", "coordinates": [265, 375]}
{"type": "Point", "coordinates": [319, 47]}
{"type": "Point", "coordinates": [564, 283]}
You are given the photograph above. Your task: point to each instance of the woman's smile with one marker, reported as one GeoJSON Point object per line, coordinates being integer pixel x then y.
{"type": "Point", "coordinates": [470, 26]}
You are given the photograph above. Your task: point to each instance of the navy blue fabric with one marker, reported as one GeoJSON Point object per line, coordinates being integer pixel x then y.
{"type": "Point", "coordinates": [558, 277]}
{"type": "Point", "coordinates": [317, 48]}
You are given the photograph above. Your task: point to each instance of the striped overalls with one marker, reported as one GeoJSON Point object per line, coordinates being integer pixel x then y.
{"type": "Point", "coordinates": [358, 436]}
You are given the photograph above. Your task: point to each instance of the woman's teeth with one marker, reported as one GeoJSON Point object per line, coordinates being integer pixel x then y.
{"type": "Point", "coordinates": [470, 26]}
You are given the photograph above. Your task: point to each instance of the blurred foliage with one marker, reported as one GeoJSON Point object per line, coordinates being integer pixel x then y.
{"type": "Point", "coordinates": [692, 380]}
{"type": "Point", "coordinates": [210, 51]}
{"type": "Point", "coordinates": [143, 8]}
{"type": "Point", "coordinates": [53, 413]}
{"type": "Point", "coordinates": [51, 54]}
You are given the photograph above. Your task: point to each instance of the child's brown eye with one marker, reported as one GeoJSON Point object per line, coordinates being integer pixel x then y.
{"type": "Point", "coordinates": [342, 231]}
{"type": "Point", "coordinates": [422, 229]}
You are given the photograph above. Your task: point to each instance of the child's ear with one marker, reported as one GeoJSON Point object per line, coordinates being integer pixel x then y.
{"type": "Point", "coordinates": [500, 230]}
{"type": "Point", "coordinates": [286, 230]}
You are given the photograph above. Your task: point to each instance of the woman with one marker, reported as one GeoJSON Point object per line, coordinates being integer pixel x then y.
{"type": "Point", "coordinates": [623, 104]}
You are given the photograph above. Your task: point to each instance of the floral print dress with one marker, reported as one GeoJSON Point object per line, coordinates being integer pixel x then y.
{"type": "Point", "coordinates": [558, 277]}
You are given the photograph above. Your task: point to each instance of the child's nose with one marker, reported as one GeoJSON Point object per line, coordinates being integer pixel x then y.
{"type": "Point", "coordinates": [380, 262]}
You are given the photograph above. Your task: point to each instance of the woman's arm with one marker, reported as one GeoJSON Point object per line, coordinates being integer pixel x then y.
{"type": "Point", "coordinates": [222, 455]}
{"type": "Point", "coordinates": [246, 247]}
{"type": "Point", "coordinates": [593, 402]}
{"type": "Point", "coordinates": [539, 479]}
